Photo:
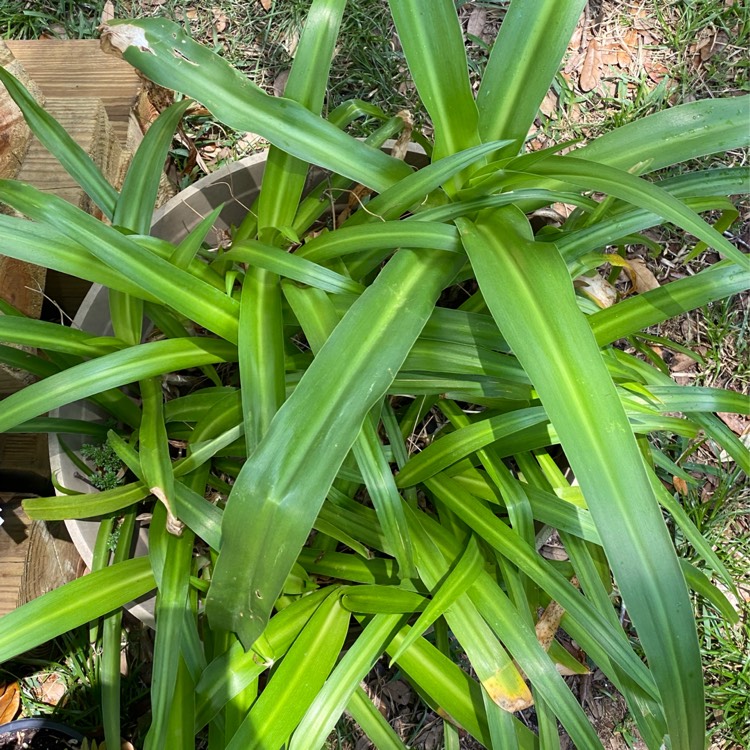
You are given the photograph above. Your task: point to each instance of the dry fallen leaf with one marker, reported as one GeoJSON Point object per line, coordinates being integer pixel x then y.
{"type": "Point", "coordinates": [656, 71]}
{"type": "Point", "coordinates": [591, 70]}
{"type": "Point", "coordinates": [682, 363]}
{"type": "Point", "coordinates": [50, 690]}
{"type": "Point", "coordinates": [549, 622]}
{"type": "Point", "coordinates": [680, 485]}
{"type": "Point", "coordinates": [641, 276]}
{"type": "Point", "coordinates": [108, 12]}
{"type": "Point", "coordinates": [548, 107]}
{"type": "Point", "coordinates": [266, 4]}
{"type": "Point", "coordinates": [475, 25]}
{"type": "Point", "coordinates": [736, 423]}
{"type": "Point", "coordinates": [220, 19]}
{"type": "Point", "coordinates": [10, 701]}
{"type": "Point", "coordinates": [399, 692]}
{"type": "Point", "coordinates": [191, 13]}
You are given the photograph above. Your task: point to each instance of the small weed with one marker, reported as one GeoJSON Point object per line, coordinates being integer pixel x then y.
{"type": "Point", "coordinates": [107, 469]}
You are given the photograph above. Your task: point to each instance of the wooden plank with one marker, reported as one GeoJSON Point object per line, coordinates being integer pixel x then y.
{"type": "Point", "coordinates": [14, 542]}
{"type": "Point", "coordinates": [79, 69]}
{"type": "Point", "coordinates": [51, 560]}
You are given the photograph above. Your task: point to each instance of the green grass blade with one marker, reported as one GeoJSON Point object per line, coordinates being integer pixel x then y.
{"type": "Point", "coordinates": [637, 191]}
{"type": "Point", "coordinates": [284, 175]}
{"type": "Point", "coordinates": [54, 337]}
{"type": "Point", "coordinates": [380, 733]}
{"type": "Point", "coordinates": [35, 243]}
{"type": "Point", "coordinates": [111, 658]}
{"type": "Point", "coordinates": [455, 583]}
{"type": "Point", "coordinates": [73, 604]}
{"type": "Point", "coordinates": [524, 60]}
{"type": "Point", "coordinates": [168, 56]}
{"type": "Point", "coordinates": [572, 381]}
{"type": "Point", "coordinates": [452, 447]}
{"type": "Point", "coordinates": [154, 450]}
{"type": "Point", "coordinates": [433, 44]}
{"type": "Point", "coordinates": [233, 670]}
{"type": "Point", "coordinates": [88, 505]}
{"type": "Point", "coordinates": [171, 602]}
{"type": "Point", "coordinates": [656, 305]}
{"type": "Point", "coordinates": [380, 236]}
{"type": "Point", "coordinates": [135, 205]}
{"type": "Point", "coordinates": [290, 266]}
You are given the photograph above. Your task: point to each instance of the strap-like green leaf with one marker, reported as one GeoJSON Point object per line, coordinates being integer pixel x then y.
{"type": "Point", "coordinates": [524, 60]}
{"type": "Point", "coordinates": [537, 313]}
{"type": "Point", "coordinates": [170, 57]}
{"type": "Point", "coordinates": [77, 163]}
{"type": "Point", "coordinates": [432, 40]}
{"type": "Point", "coordinates": [73, 604]}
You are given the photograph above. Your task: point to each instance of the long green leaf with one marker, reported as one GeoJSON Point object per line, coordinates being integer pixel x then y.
{"type": "Point", "coordinates": [339, 688]}
{"type": "Point", "coordinates": [638, 191]}
{"type": "Point", "coordinates": [563, 360]}
{"type": "Point", "coordinates": [168, 56]}
{"type": "Point", "coordinates": [432, 40]}
{"type": "Point", "coordinates": [73, 604]}
{"type": "Point", "coordinates": [77, 163]}
{"type": "Point", "coordinates": [524, 60]}
{"type": "Point", "coordinates": [112, 371]}
{"type": "Point", "coordinates": [674, 135]}
{"type": "Point", "coordinates": [283, 484]}
{"type": "Point", "coordinates": [296, 681]}
{"type": "Point", "coordinates": [187, 294]}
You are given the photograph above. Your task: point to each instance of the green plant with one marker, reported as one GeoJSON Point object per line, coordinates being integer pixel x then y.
{"type": "Point", "coordinates": [351, 332]}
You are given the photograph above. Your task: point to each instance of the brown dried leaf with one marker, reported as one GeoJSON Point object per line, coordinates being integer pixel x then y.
{"type": "Point", "coordinates": [50, 690]}
{"type": "Point", "coordinates": [191, 13]}
{"type": "Point", "coordinates": [548, 107]}
{"type": "Point", "coordinates": [716, 44]}
{"type": "Point", "coordinates": [108, 12]}
{"type": "Point", "coordinates": [735, 422]}
{"type": "Point", "coordinates": [399, 692]}
{"type": "Point", "coordinates": [549, 622]}
{"type": "Point", "coordinates": [641, 276]}
{"type": "Point", "coordinates": [680, 485]}
{"type": "Point", "coordinates": [220, 19]}
{"type": "Point", "coordinates": [279, 83]}
{"type": "Point", "coordinates": [591, 70]}
{"type": "Point", "coordinates": [624, 58]}
{"type": "Point", "coordinates": [682, 363]}
{"type": "Point", "coordinates": [656, 71]}
{"type": "Point", "coordinates": [266, 4]}
{"type": "Point", "coordinates": [10, 701]}
{"type": "Point", "coordinates": [475, 24]}
{"type": "Point", "coordinates": [630, 39]}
